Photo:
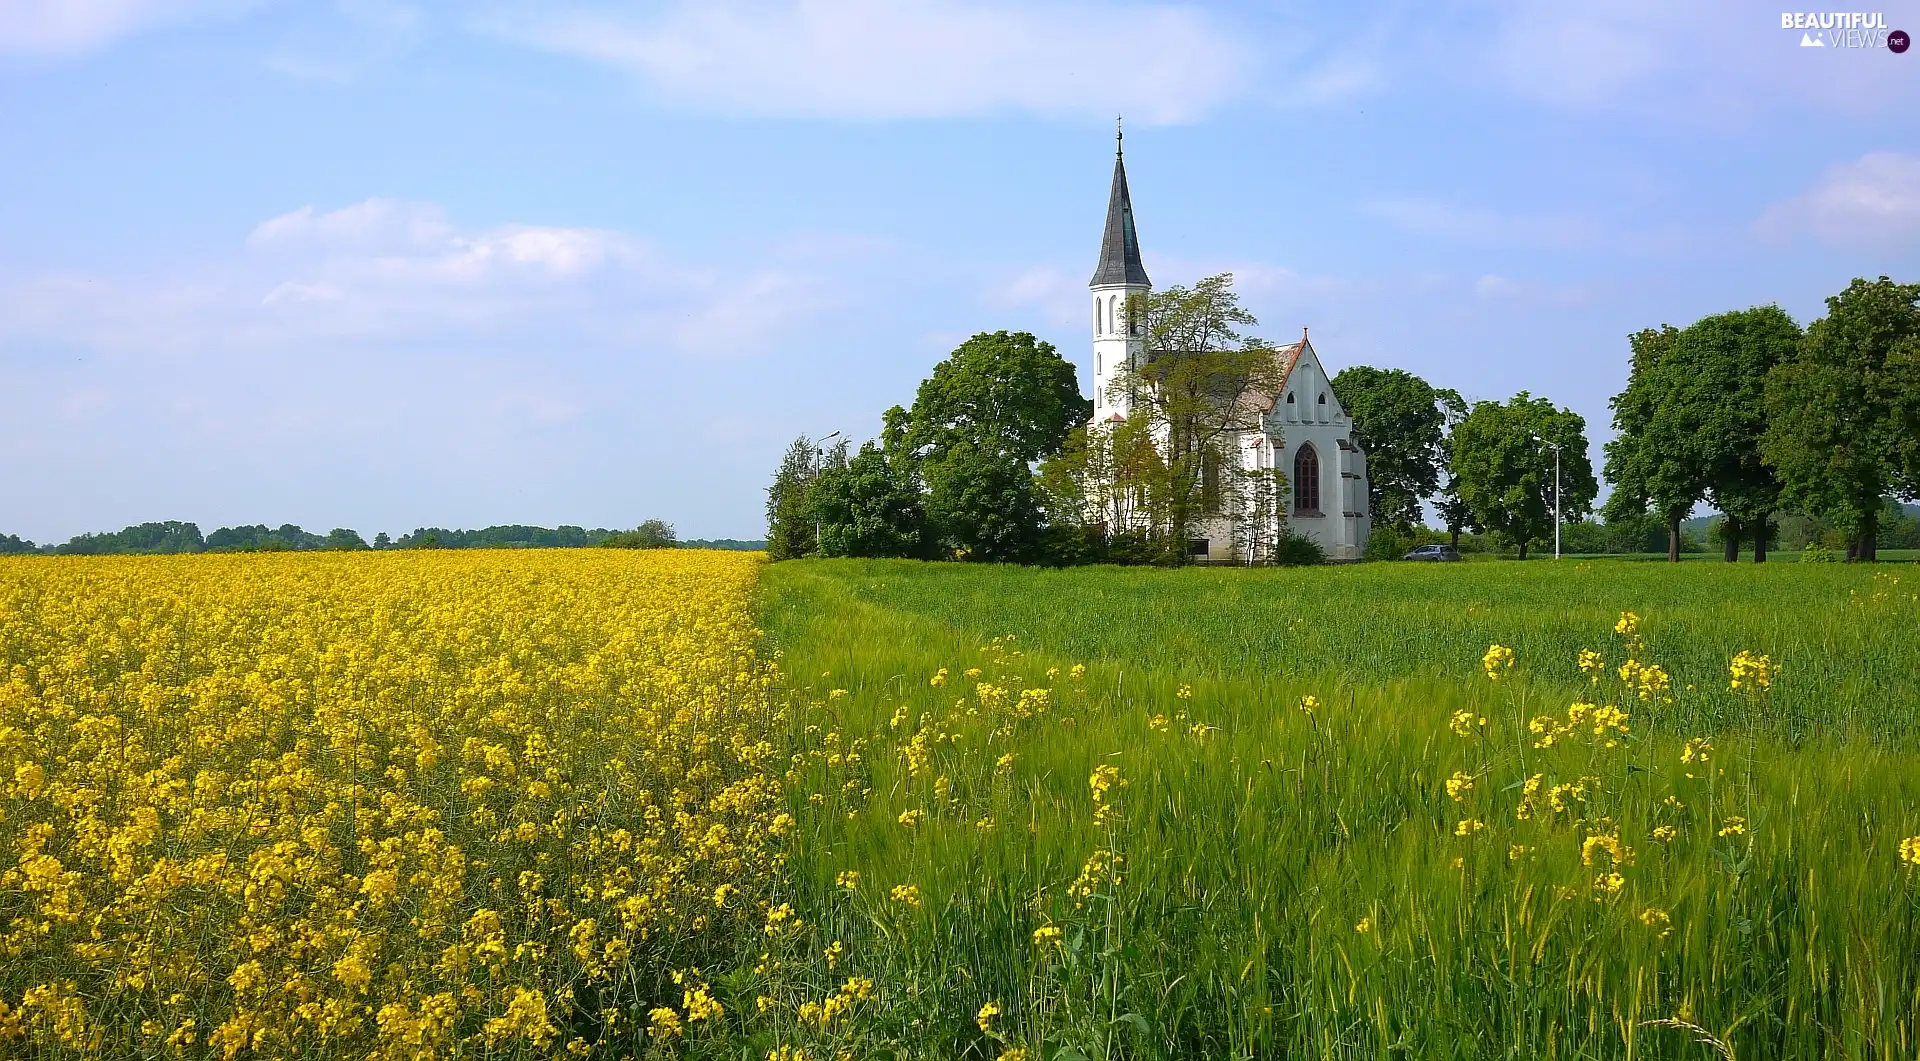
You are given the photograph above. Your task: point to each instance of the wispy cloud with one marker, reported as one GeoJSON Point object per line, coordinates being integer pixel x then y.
{"type": "Point", "coordinates": [70, 27]}
{"type": "Point", "coordinates": [907, 58]}
{"type": "Point", "coordinates": [384, 270]}
{"type": "Point", "coordinates": [1713, 61]}
{"type": "Point", "coordinates": [1873, 201]}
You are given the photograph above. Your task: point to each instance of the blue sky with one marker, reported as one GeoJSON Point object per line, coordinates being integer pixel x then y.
{"type": "Point", "coordinates": [384, 265]}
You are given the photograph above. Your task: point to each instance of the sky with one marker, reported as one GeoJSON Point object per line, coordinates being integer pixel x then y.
{"type": "Point", "coordinates": [385, 265]}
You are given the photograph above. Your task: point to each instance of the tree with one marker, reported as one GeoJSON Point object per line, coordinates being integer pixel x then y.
{"type": "Point", "coordinates": [1652, 461]}
{"type": "Point", "coordinates": [1454, 512]}
{"type": "Point", "coordinates": [1716, 374]}
{"type": "Point", "coordinates": [652, 534]}
{"type": "Point", "coordinates": [1400, 420]}
{"type": "Point", "coordinates": [997, 404]}
{"type": "Point", "coordinates": [1199, 384]}
{"type": "Point", "coordinates": [382, 541]}
{"type": "Point", "coordinates": [790, 533]}
{"type": "Point", "coordinates": [167, 537]}
{"type": "Point", "coordinates": [871, 506]}
{"type": "Point", "coordinates": [12, 544]}
{"type": "Point", "coordinates": [1006, 393]}
{"type": "Point", "coordinates": [1843, 416]}
{"type": "Point", "coordinates": [344, 538]}
{"type": "Point", "coordinates": [1503, 459]}
{"type": "Point", "coordinates": [1108, 478]}
{"type": "Point", "coordinates": [984, 504]}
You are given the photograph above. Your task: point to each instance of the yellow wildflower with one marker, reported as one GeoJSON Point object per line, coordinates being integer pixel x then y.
{"type": "Point", "coordinates": [1497, 662]}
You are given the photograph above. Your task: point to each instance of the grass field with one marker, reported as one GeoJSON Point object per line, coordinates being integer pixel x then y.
{"type": "Point", "coordinates": [613, 804]}
{"type": "Point", "coordinates": [1266, 875]}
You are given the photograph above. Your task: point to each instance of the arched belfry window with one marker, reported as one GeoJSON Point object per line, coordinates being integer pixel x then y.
{"type": "Point", "coordinates": [1113, 302]}
{"type": "Point", "coordinates": [1096, 315]}
{"type": "Point", "coordinates": [1306, 481]}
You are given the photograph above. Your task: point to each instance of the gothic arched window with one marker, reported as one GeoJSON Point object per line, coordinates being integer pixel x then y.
{"type": "Point", "coordinates": [1096, 314]}
{"type": "Point", "coordinates": [1113, 303]}
{"type": "Point", "coordinates": [1306, 481]}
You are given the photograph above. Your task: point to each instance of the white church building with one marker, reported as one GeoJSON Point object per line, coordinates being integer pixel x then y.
{"type": "Point", "coordinates": [1303, 429]}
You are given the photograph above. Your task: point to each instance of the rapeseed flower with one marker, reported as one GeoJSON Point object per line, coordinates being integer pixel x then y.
{"type": "Point", "coordinates": [1497, 662]}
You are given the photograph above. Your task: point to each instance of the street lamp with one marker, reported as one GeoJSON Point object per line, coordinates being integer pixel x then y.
{"type": "Point", "coordinates": [819, 465]}
{"type": "Point", "coordinates": [1556, 447]}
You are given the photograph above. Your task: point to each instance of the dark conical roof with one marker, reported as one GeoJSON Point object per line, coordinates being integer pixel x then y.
{"type": "Point", "coordinates": [1120, 245]}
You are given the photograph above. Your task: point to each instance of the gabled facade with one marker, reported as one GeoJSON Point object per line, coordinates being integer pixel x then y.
{"type": "Point", "coordinates": [1303, 430]}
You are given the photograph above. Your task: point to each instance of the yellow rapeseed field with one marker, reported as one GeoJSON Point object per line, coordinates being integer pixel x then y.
{"type": "Point", "coordinates": [412, 805]}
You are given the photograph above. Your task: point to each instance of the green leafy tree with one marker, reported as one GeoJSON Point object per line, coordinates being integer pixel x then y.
{"type": "Point", "coordinates": [382, 541]}
{"type": "Point", "coordinates": [871, 506]}
{"type": "Point", "coordinates": [1005, 393]}
{"type": "Point", "coordinates": [343, 538]}
{"type": "Point", "coordinates": [790, 530]}
{"type": "Point", "coordinates": [985, 505]}
{"type": "Point", "coordinates": [996, 405]}
{"type": "Point", "coordinates": [167, 537]}
{"type": "Point", "coordinates": [1653, 462]}
{"type": "Point", "coordinates": [1716, 376]}
{"type": "Point", "coordinates": [1401, 423]}
{"type": "Point", "coordinates": [1200, 384]}
{"type": "Point", "coordinates": [1503, 458]}
{"type": "Point", "coordinates": [1843, 416]}
{"type": "Point", "coordinates": [652, 534]}
{"type": "Point", "coordinates": [1109, 479]}
{"type": "Point", "coordinates": [1454, 512]}
{"type": "Point", "coordinates": [11, 544]}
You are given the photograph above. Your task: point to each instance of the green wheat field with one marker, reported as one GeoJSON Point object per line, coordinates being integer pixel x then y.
{"type": "Point", "coordinates": [1378, 811]}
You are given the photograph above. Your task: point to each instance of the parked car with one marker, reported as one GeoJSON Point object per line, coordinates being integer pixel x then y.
{"type": "Point", "coordinates": [1438, 553]}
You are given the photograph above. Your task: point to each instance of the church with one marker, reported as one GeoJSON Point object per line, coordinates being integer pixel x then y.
{"type": "Point", "coordinates": [1302, 429]}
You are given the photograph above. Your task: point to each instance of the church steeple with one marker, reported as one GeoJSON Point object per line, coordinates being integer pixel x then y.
{"type": "Point", "coordinates": [1120, 245]}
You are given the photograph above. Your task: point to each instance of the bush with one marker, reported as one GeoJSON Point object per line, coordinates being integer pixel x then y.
{"type": "Point", "coordinates": [1384, 544]}
{"type": "Point", "coordinates": [1293, 550]}
{"type": "Point", "coordinates": [653, 534]}
{"type": "Point", "coordinates": [1815, 553]}
{"type": "Point", "coordinates": [1133, 548]}
{"type": "Point", "coordinates": [1389, 543]}
{"type": "Point", "coordinates": [1071, 545]}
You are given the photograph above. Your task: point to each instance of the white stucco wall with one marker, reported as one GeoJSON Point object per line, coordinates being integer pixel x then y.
{"type": "Point", "coordinates": [1315, 418]}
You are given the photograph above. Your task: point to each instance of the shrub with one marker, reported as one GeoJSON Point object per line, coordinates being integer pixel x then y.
{"type": "Point", "coordinates": [653, 534]}
{"type": "Point", "coordinates": [1293, 550]}
{"type": "Point", "coordinates": [1815, 553]}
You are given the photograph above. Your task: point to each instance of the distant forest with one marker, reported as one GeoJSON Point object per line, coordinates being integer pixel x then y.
{"type": "Point", "coordinates": [176, 537]}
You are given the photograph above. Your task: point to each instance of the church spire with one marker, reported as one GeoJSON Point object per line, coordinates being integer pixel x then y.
{"type": "Point", "coordinates": [1119, 245]}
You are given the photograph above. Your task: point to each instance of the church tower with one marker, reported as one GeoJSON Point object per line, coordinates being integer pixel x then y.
{"type": "Point", "coordinates": [1117, 341]}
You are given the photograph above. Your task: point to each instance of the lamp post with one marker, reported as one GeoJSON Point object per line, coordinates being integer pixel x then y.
{"type": "Point", "coordinates": [819, 464]}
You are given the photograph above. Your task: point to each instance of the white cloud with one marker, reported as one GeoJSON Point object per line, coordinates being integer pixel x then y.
{"type": "Point", "coordinates": [1060, 297]}
{"type": "Point", "coordinates": [1713, 61]}
{"type": "Point", "coordinates": [372, 224]}
{"type": "Point", "coordinates": [384, 271]}
{"type": "Point", "coordinates": [908, 58]}
{"type": "Point", "coordinates": [1873, 201]}
{"type": "Point", "coordinates": [71, 27]}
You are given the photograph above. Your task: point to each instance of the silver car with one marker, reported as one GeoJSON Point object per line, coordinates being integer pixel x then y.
{"type": "Point", "coordinates": [1437, 553]}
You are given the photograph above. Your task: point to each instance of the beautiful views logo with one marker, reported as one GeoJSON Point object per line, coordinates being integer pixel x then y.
{"type": "Point", "coordinates": [1844, 29]}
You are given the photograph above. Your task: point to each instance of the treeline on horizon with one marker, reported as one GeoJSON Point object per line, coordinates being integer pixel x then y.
{"type": "Point", "coordinates": [178, 537]}
{"type": "Point", "coordinates": [1807, 438]}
